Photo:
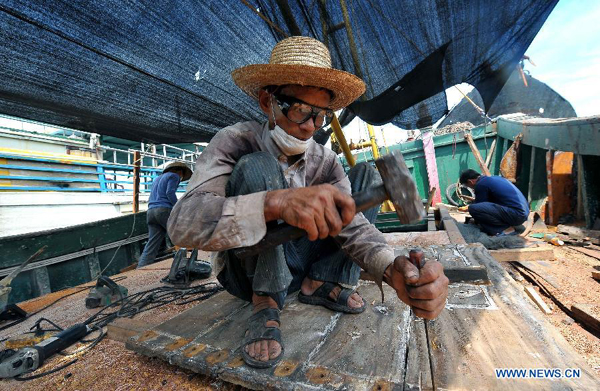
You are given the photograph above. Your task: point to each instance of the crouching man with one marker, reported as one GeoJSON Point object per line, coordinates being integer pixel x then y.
{"type": "Point", "coordinates": [251, 175]}
{"type": "Point", "coordinates": [499, 208]}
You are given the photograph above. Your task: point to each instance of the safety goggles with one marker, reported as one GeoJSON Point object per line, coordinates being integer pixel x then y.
{"type": "Point", "coordinates": [299, 111]}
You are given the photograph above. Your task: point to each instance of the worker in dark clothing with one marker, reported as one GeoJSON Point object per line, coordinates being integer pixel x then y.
{"type": "Point", "coordinates": [499, 206]}
{"type": "Point", "coordinates": [162, 200]}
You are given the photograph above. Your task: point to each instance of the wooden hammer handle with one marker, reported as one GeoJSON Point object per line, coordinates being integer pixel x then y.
{"type": "Point", "coordinates": [284, 232]}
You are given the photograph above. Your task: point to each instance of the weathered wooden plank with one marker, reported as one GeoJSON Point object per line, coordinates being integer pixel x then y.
{"type": "Point", "coordinates": [122, 329]}
{"type": "Point", "coordinates": [587, 251]}
{"type": "Point", "coordinates": [375, 340]}
{"type": "Point", "coordinates": [523, 254]}
{"type": "Point", "coordinates": [209, 314]}
{"type": "Point", "coordinates": [449, 224]}
{"type": "Point", "coordinates": [587, 314]}
{"type": "Point", "coordinates": [535, 297]}
{"type": "Point", "coordinates": [482, 328]}
{"type": "Point", "coordinates": [541, 269]}
{"type": "Point", "coordinates": [418, 369]}
{"type": "Point", "coordinates": [470, 342]}
{"type": "Point", "coordinates": [578, 232]}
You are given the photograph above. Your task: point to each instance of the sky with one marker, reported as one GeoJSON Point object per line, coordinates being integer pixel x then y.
{"type": "Point", "coordinates": [566, 52]}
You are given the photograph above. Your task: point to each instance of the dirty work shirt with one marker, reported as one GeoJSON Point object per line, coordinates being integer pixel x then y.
{"type": "Point", "coordinates": [501, 191]}
{"type": "Point", "coordinates": [204, 218]}
{"type": "Point", "coordinates": [163, 191]}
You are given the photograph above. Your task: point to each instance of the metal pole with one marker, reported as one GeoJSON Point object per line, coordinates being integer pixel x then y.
{"type": "Point", "coordinates": [337, 130]}
{"type": "Point", "coordinates": [374, 147]}
{"type": "Point", "coordinates": [136, 181]}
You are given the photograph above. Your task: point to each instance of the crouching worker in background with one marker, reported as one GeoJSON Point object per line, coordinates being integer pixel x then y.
{"type": "Point", "coordinates": [499, 207]}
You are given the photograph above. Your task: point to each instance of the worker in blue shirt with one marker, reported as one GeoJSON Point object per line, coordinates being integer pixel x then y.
{"type": "Point", "coordinates": [162, 199]}
{"type": "Point", "coordinates": [499, 207]}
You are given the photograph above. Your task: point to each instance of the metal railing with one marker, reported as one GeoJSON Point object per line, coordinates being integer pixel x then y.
{"type": "Point", "coordinates": [104, 177]}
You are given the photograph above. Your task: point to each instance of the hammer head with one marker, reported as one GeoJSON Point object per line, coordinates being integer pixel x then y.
{"type": "Point", "coordinates": [401, 188]}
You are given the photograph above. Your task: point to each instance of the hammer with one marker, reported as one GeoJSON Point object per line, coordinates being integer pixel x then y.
{"type": "Point", "coordinates": [398, 186]}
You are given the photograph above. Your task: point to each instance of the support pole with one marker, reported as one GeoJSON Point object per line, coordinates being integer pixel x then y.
{"type": "Point", "coordinates": [550, 203]}
{"type": "Point", "coordinates": [136, 181]}
{"type": "Point", "coordinates": [374, 147]}
{"type": "Point", "coordinates": [488, 158]}
{"type": "Point", "coordinates": [351, 42]}
{"type": "Point", "coordinates": [477, 155]}
{"type": "Point", "coordinates": [339, 135]}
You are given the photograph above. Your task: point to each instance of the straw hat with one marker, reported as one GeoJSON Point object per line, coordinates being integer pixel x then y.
{"type": "Point", "coordinates": [304, 61]}
{"type": "Point", "coordinates": [187, 172]}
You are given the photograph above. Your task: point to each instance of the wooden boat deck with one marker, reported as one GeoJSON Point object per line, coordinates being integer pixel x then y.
{"type": "Point", "coordinates": [384, 348]}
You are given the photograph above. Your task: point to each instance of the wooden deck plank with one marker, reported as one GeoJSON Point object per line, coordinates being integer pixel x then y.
{"type": "Point", "coordinates": [471, 341]}
{"type": "Point", "coordinates": [375, 339]}
{"type": "Point", "coordinates": [523, 254]}
{"type": "Point", "coordinates": [418, 370]}
{"type": "Point", "coordinates": [482, 328]}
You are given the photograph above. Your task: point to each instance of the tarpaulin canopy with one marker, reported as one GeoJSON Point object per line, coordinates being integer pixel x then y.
{"type": "Point", "coordinates": [534, 99]}
{"type": "Point", "coordinates": [159, 70]}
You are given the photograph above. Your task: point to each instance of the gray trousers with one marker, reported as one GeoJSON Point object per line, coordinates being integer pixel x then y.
{"type": "Point", "coordinates": [157, 232]}
{"type": "Point", "coordinates": [280, 271]}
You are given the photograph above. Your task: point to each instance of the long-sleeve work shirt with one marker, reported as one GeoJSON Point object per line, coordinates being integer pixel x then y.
{"type": "Point", "coordinates": [163, 191]}
{"type": "Point", "coordinates": [501, 191]}
{"type": "Point", "coordinates": [204, 218]}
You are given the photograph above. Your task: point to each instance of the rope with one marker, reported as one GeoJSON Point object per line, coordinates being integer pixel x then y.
{"type": "Point", "coordinates": [263, 17]}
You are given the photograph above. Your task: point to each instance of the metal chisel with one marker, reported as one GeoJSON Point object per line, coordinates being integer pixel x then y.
{"type": "Point", "coordinates": [417, 258]}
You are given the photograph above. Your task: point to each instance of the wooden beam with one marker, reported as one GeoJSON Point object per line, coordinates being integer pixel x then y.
{"type": "Point", "coordinates": [531, 175]}
{"type": "Point", "coordinates": [523, 254]}
{"type": "Point", "coordinates": [477, 155]}
{"type": "Point", "coordinates": [449, 224]}
{"type": "Point", "coordinates": [587, 251]}
{"type": "Point", "coordinates": [580, 194]}
{"type": "Point", "coordinates": [550, 204]}
{"type": "Point", "coordinates": [578, 232]}
{"type": "Point", "coordinates": [532, 293]}
{"type": "Point", "coordinates": [584, 313]}
{"type": "Point", "coordinates": [488, 158]}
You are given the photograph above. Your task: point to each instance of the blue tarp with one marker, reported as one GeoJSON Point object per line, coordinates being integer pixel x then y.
{"type": "Point", "coordinates": [159, 70]}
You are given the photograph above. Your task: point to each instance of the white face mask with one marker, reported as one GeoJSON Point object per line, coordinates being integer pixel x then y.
{"type": "Point", "coordinates": [288, 144]}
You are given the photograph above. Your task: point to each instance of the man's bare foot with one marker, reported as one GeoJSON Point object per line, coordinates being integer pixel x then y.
{"type": "Point", "coordinates": [267, 349]}
{"type": "Point", "coordinates": [309, 287]}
